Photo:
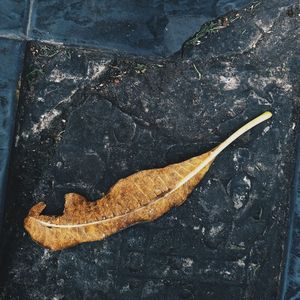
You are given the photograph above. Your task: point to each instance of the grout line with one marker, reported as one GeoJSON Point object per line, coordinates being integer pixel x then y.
{"type": "Point", "coordinates": [29, 19]}
{"type": "Point", "coordinates": [12, 37]}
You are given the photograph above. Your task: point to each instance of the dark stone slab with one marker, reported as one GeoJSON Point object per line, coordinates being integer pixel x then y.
{"type": "Point", "coordinates": [87, 119]}
{"type": "Point", "coordinates": [291, 276]}
{"type": "Point", "coordinates": [13, 17]}
{"type": "Point", "coordinates": [138, 27]}
{"type": "Point", "coordinates": [11, 57]}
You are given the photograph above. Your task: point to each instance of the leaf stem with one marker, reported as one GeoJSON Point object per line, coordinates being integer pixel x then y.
{"type": "Point", "coordinates": [261, 118]}
{"type": "Point", "coordinates": [213, 153]}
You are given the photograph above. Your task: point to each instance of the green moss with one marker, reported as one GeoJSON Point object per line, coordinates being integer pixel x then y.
{"type": "Point", "coordinates": [140, 68]}
{"type": "Point", "coordinates": [212, 27]}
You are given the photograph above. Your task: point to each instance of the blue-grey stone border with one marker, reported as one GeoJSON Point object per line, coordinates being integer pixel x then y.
{"type": "Point", "coordinates": [11, 57]}
{"type": "Point", "coordinates": [290, 278]}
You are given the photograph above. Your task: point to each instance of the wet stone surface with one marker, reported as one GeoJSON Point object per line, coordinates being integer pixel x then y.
{"type": "Point", "coordinates": [13, 17]}
{"type": "Point", "coordinates": [148, 28]}
{"type": "Point", "coordinates": [87, 119]}
{"type": "Point", "coordinates": [155, 28]}
{"type": "Point", "coordinates": [11, 55]}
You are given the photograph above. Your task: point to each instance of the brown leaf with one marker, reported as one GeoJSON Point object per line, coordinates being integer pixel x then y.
{"type": "Point", "coordinates": [143, 196]}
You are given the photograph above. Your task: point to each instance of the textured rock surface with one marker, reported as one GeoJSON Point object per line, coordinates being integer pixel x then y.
{"type": "Point", "coordinates": [87, 119]}
{"type": "Point", "coordinates": [148, 28]}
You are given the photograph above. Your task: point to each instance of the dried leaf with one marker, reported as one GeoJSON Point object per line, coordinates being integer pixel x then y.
{"type": "Point", "coordinates": [143, 196]}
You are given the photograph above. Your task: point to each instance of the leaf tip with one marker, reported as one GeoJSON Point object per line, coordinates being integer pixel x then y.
{"type": "Point", "coordinates": [267, 115]}
{"type": "Point", "coordinates": [37, 209]}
